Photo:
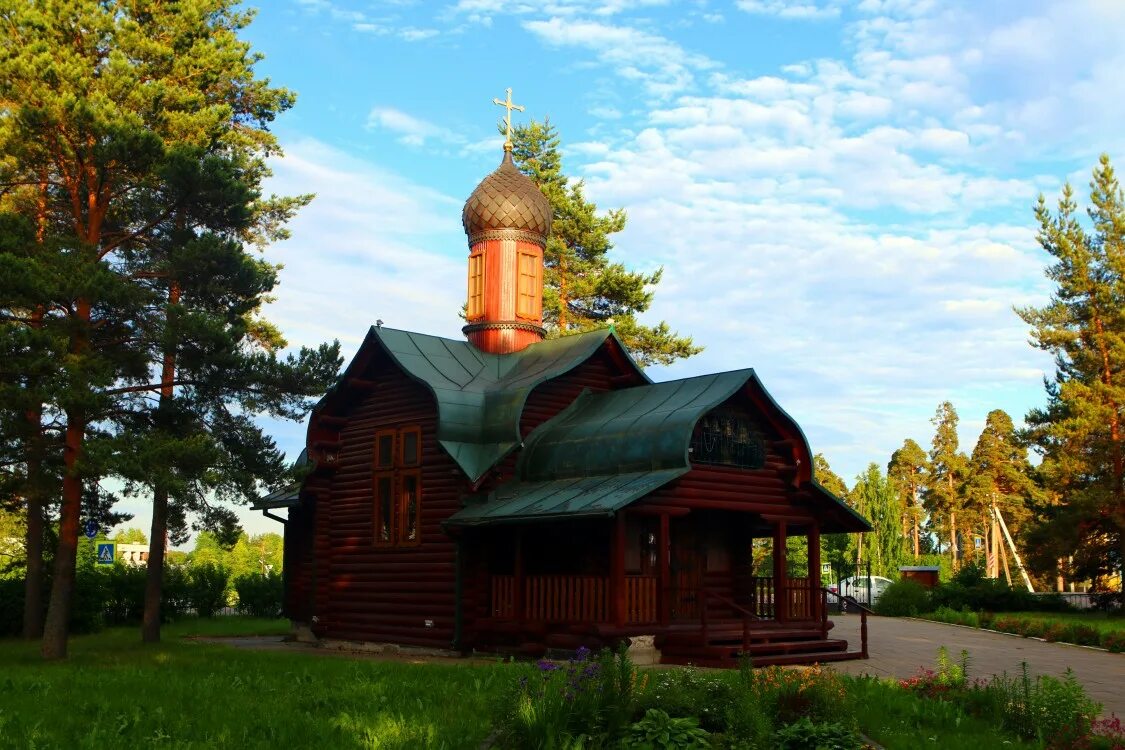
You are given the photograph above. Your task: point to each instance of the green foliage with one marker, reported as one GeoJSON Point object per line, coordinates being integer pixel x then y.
{"type": "Point", "coordinates": [564, 705]}
{"type": "Point", "coordinates": [803, 734]}
{"type": "Point", "coordinates": [1054, 711]}
{"type": "Point", "coordinates": [876, 498]}
{"type": "Point", "coordinates": [659, 731]}
{"type": "Point", "coordinates": [207, 588]}
{"type": "Point", "coordinates": [131, 536]}
{"type": "Point", "coordinates": [259, 594]}
{"type": "Point", "coordinates": [583, 289]}
{"type": "Point", "coordinates": [942, 496]}
{"type": "Point", "coordinates": [690, 692]}
{"type": "Point", "coordinates": [903, 598]}
{"type": "Point", "coordinates": [907, 469]}
{"type": "Point", "coordinates": [1080, 432]}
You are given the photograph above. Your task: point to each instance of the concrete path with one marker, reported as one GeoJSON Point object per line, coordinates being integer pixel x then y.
{"type": "Point", "coordinates": [899, 647]}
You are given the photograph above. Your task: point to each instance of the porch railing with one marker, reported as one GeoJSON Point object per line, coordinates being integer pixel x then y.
{"type": "Point", "coordinates": [798, 600]}
{"type": "Point", "coordinates": [572, 598]}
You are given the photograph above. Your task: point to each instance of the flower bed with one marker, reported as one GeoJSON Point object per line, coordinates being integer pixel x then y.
{"type": "Point", "coordinates": [1050, 628]}
{"type": "Point", "coordinates": [1056, 713]}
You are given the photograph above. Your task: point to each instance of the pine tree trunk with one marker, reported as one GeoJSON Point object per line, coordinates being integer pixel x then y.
{"type": "Point", "coordinates": [917, 540]}
{"type": "Point", "coordinates": [154, 581]}
{"type": "Point", "coordinates": [953, 537]}
{"type": "Point", "coordinates": [33, 583]}
{"type": "Point", "coordinates": [34, 496]}
{"type": "Point", "coordinates": [34, 492]}
{"type": "Point", "coordinates": [62, 587]}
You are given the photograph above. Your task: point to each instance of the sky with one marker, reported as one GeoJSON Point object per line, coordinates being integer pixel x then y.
{"type": "Point", "coordinates": [840, 192]}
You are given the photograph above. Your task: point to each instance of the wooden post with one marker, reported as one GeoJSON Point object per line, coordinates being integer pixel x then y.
{"type": "Point", "coordinates": [517, 595]}
{"type": "Point", "coordinates": [814, 570]}
{"type": "Point", "coordinates": [664, 552]}
{"type": "Point", "coordinates": [780, 575]}
{"type": "Point", "coordinates": [617, 573]}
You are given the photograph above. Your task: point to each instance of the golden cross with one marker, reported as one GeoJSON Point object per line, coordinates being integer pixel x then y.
{"type": "Point", "coordinates": [508, 117]}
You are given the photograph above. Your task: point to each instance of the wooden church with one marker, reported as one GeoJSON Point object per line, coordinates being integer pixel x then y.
{"type": "Point", "coordinates": [515, 493]}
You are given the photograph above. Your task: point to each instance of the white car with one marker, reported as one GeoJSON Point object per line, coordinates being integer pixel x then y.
{"type": "Point", "coordinates": [857, 587]}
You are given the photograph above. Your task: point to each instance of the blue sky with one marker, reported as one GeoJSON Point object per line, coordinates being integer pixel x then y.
{"type": "Point", "coordinates": [839, 191]}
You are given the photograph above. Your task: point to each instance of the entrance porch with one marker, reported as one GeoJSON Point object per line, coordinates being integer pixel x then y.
{"type": "Point", "coordinates": [688, 578]}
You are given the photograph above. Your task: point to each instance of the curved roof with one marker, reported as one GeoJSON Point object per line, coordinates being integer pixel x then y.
{"type": "Point", "coordinates": [506, 199]}
{"type": "Point", "coordinates": [480, 396]}
{"type": "Point", "coordinates": [609, 449]}
{"type": "Point", "coordinates": [647, 428]}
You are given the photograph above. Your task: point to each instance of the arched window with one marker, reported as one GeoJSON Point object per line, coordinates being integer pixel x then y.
{"type": "Point", "coordinates": [728, 439]}
{"type": "Point", "coordinates": [397, 487]}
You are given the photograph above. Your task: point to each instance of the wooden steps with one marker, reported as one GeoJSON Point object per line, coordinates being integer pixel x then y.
{"type": "Point", "coordinates": [767, 643]}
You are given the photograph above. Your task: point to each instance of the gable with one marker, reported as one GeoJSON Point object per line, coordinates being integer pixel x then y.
{"type": "Point", "coordinates": [479, 396]}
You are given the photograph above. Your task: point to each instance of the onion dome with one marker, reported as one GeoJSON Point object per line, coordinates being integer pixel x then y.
{"type": "Point", "coordinates": [507, 200]}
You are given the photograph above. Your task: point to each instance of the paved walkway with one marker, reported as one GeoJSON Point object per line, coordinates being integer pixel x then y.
{"type": "Point", "coordinates": [898, 647]}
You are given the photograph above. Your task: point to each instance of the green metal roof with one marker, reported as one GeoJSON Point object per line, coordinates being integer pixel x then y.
{"type": "Point", "coordinates": [646, 428]}
{"type": "Point", "coordinates": [605, 451]}
{"type": "Point", "coordinates": [579, 497]}
{"type": "Point", "coordinates": [480, 396]}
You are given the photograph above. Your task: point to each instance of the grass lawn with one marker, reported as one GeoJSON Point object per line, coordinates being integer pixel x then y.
{"type": "Point", "coordinates": [116, 692]}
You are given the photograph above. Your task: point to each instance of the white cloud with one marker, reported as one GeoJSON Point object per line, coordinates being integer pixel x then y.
{"type": "Point", "coordinates": [412, 131]}
{"type": "Point", "coordinates": [791, 9]}
{"type": "Point", "coordinates": [417, 35]}
{"type": "Point", "coordinates": [661, 65]}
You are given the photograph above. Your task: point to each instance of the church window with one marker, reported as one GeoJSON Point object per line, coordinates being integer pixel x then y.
{"type": "Point", "coordinates": [528, 302]}
{"type": "Point", "coordinates": [476, 286]}
{"type": "Point", "coordinates": [397, 490]}
{"type": "Point", "coordinates": [728, 439]}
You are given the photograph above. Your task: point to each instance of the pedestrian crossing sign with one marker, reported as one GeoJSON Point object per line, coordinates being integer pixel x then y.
{"type": "Point", "coordinates": [105, 553]}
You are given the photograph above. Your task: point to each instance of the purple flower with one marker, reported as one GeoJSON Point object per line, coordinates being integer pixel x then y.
{"type": "Point", "coordinates": [581, 653]}
{"type": "Point", "coordinates": [546, 666]}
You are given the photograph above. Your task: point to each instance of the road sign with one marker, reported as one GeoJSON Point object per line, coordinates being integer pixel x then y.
{"type": "Point", "coordinates": [106, 553]}
{"type": "Point", "coordinates": [91, 529]}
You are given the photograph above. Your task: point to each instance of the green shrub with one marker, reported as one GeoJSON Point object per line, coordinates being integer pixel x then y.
{"type": "Point", "coordinates": [903, 598]}
{"type": "Point", "coordinates": [207, 588]}
{"type": "Point", "coordinates": [804, 734]}
{"type": "Point", "coordinates": [689, 692]}
{"type": "Point", "coordinates": [1056, 712]}
{"type": "Point", "coordinates": [1114, 642]}
{"type": "Point", "coordinates": [659, 730]}
{"type": "Point", "coordinates": [563, 705]}
{"type": "Point", "coordinates": [788, 695]}
{"type": "Point", "coordinates": [260, 594]}
{"type": "Point", "coordinates": [124, 589]}
{"type": "Point", "coordinates": [175, 592]}
{"type": "Point", "coordinates": [11, 614]}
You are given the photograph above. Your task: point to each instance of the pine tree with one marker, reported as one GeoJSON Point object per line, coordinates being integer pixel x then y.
{"type": "Point", "coordinates": [908, 467]}
{"type": "Point", "coordinates": [1080, 433]}
{"type": "Point", "coordinates": [582, 288]}
{"type": "Point", "coordinates": [1000, 477]}
{"type": "Point", "coordinates": [947, 471]}
{"type": "Point", "coordinates": [116, 107]}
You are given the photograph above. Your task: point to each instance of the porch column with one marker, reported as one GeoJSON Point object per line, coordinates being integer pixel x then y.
{"type": "Point", "coordinates": [517, 595]}
{"type": "Point", "coordinates": [814, 571]}
{"type": "Point", "coordinates": [617, 570]}
{"type": "Point", "coordinates": [780, 575]}
{"type": "Point", "coordinates": [663, 582]}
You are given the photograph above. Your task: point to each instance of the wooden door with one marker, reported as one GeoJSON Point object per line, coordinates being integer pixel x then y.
{"type": "Point", "coordinates": [687, 566]}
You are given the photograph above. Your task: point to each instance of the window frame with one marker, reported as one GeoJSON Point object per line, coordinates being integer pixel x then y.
{"type": "Point", "coordinates": [533, 306]}
{"type": "Point", "coordinates": [394, 476]}
{"type": "Point", "coordinates": [475, 306]}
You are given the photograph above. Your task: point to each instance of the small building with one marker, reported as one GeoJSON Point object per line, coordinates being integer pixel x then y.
{"type": "Point", "coordinates": [926, 575]}
{"type": "Point", "coordinates": [515, 493]}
